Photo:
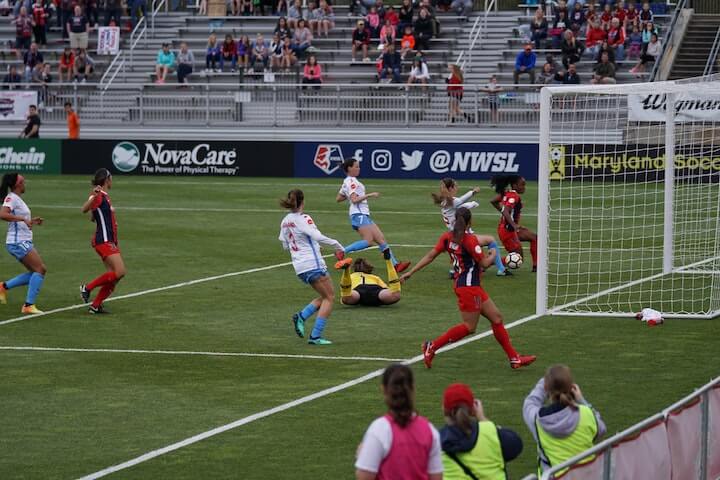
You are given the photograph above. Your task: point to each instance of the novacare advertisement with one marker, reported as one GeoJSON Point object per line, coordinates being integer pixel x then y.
{"type": "Point", "coordinates": [30, 156]}
{"type": "Point", "coordinates": [418, 160]}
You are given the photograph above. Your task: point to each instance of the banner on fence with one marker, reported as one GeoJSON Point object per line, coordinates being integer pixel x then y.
{"type": "Point", "coordinates": [30, 155]}
{"type": "Point", "coordinates": [688, 108]}
{"type": "Point", "coordinates": [418, 160]}
{"type": "Point", "coordinates": [108, 40]}
{"type": "Point", "coordinates": [152, 157]}
{"type": "Point", "coordinates": [14, 104]}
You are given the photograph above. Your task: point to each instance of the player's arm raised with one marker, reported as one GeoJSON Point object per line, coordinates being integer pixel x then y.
{"type": "Point", "coordinates": [87, 206]}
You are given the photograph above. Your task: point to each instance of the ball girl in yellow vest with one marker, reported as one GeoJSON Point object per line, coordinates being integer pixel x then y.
{"type": "Point", "coordinates": [564, 427]}
{"type": "Point", "coordinates": [473, 446]}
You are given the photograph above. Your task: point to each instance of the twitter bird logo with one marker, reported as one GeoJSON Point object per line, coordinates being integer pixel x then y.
{"type": "Point", "coordinates": [412, 161]}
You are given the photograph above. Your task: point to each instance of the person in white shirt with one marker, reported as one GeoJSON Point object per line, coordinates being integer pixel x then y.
{"type": "Point", "coordinates": [650, 316]}
{"type": "Point", "coordinates": [353, 191]}
{"type": "Point", "coordinates": [419, 72]}
{"type": "Point", "coordinates": [449, 203]}
{"type": "Point", "coordinates": [19, 241]}
{"type": "Point", "coordinates": [301, 237]}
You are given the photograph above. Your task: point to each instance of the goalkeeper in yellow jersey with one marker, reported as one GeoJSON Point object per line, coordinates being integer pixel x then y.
{"type": "Point", "coordinates": [361, 287]}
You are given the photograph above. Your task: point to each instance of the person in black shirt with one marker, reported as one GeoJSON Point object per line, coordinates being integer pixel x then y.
{"type": "Point", "coordinates": [571, 77]}
{"type": "Point", "coordinates": [32, 127]}
{"type": "Point", "coordinates": [12, 79]}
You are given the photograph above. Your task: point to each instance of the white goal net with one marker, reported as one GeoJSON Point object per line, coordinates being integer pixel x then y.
{"type": "Point", "coordinates": [621, 229]}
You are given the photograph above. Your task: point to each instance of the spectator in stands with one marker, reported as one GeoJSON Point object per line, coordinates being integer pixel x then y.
{"type": "Point", "coordinates": [387, 33]}
{"type": "Point", "coordinates": [23, 31]}
{"type": "Point", "coordinates": [135, 7]}
{"type": "Point", "coordinates": [419, 72]}
{"type": "Point", "coordinates": [66, 65]}
{"type": "Point", "coordinates": [462, 7]}
{"type": "Point", "coordinates": [312, 72]}
{"type": "Point", "coordinates": [202, 7]}
{"type": "Point", "coordinates": [407, 43]}
{"type": "Point", "coordinates": [559, 27]}
{"type": "Point", "coordinates": [619, 12]}
{"type": "Point", "coordinates": [236, 6]}
{"type": "Point", "coordinates": [616, 38]}
{"type": "Point", "coordinates": [84, 66]}
{"type": "Point", "coordinates": [39, 20]}
{"type": "Point", "coordinates": [73, 122]}
{"type": "Point", "coordinates": [646, 15]}
{"type": "Point", "coordinates": [66, 11]}
{"type": "Point", "coordinates": [577, 19]}
{"type": "Point", "coordinates": [260, 51]}
{"type": "Point", "coordinates": [391, 14]}
{"type": "Point", "coordinates": [594, 38]}
{"type": "Point", "coordinates": [636, 43]}
{"type": "Point", "coordinates": [571, 49]}
{"type": "Point", "coordinates": [555, 67]}
{"type": "Point", "coordinates": [113, 9]}
{"type": "Point", "coordinates": [423, 30]}
{"type": "Point", "coordinates": [281, 9]}
{"type": "Point", "coordinates": [42, 77]}
{"type": "Point", "coordinates": [294, 14]}
{"type": "Point", "coordinates": [380, 10]}
{"type": "Point", "coordinates": [372, 20]}
{"type": "Point", "coordinates": [525, 64]}
{"type": "Point", "coordinates": [288, 55]}
{"type": "Point", "coordinates": [473, 446]}
{"type": "Point", "coordinates": [538, 28]}
{"type": "Point", "coordinates": [212, 53]}
{"type": "Point", "coordinates": [13, 79]}
{"type": "Point", "coordinates": [455, 92]}
{"type": "Point", "coordinates": [164, 63]}
{"type": "Point", "coordinates": [632, 17]}
{"type": "Point", "coordinates": [560, 6]}
{"type": "Point", "coordinates": [401, 443]}
{"type": "Point", "coordinates": [282, 28]}
{"type": "Point", "coordinates": [244, 51]}
{"type": "Point", "coordinates": [653, 50]}
{"type": "Point", "coordinates": [360, 41]}
{"type": "Point", "coordinates": [326, 18]}
{"type": "Point", "coordinates": [605, 48]}
{"type": "Point", "coordinates": [32, 126]}
{"type": "Point", "coordinates": [546, 75]}
{"type": "Point", "coordinates": [647, 32]}
{"type": "Point", "coordinates": [302, 38]}
{"type": "Point", "coordinates": [493, 89]}
{"type": "Point", "coordinates": [604, 71]}
{"type": "Point", "coordinates": [431, 13]}
{"type": "Point", "coordinates": [228, 53]}
{"type": "Point", "coordinates": [185, 61]}
{"type": "Point", "coordinates": [406, 15]}
{"type": "Point", "coordinates": [591, 15]}
{"type": "Point", "coordinates": [275, 52]}
{"type": "Point", "coordinates": [606, 17]}
{"type": "Point", "coordinates": [565, 427]}
{"type": "Point", "coordinates": [91, 12]}
{"type": "Point", "coordinates": [312, 17]}
{"type": "Point", "coordinates": [390, 64]}
{"type": "Point", "coordinates": [571, 77]}
{"type": "Point", "coordinates": [31, 58]}
{"type": "Point", "coordinates": [78, 29]}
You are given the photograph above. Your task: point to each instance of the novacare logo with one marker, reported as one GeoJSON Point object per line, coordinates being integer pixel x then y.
{"type": "Point", "coordinates": [126, 157]}
{"type": "Point", "coordinates": [201, 155]}
{"type": "Point", "coordinates": [8, 156]}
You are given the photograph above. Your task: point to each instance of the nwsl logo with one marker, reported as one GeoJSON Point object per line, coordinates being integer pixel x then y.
{"type": "Point", "coordinates": [328, 158]}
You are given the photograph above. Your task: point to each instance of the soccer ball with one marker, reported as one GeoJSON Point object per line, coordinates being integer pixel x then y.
{"type": "Point", "coordinates": [513, 260]}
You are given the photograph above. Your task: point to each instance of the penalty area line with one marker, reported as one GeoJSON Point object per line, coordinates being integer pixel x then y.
{"type": "Point", "coordinates": [281, 408]}
{"type": "Point", "coordinates": [194, 353]}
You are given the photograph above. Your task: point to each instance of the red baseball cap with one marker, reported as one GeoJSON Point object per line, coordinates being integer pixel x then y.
{"type": "Point", "coordinates": [456, 395]}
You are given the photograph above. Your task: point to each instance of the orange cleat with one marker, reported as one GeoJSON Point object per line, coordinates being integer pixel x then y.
{"type": "Point", "coordinates": [402, 266]}
{"type": "Point", "coordinates": [522, 361]}
{"type": "Point", "coordinates": [344, 263]}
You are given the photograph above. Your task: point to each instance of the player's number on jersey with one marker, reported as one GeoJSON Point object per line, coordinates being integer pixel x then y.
{"type": "Point", "coordinates": [291, 240]}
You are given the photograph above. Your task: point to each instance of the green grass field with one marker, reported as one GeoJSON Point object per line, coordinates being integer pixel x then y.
{"type": "Point", "coordinates": [69, 413]}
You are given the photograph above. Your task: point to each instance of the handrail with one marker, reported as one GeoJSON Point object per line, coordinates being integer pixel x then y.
{"type": "Point", "coordinates": [678, 8]}
{"type": "Point", "coordinates": [136, 40]}
{"type": "Point", "coordinates": [712, 58]}
{"type": "Point", "coordinates": [155, 11]}
{"type": "Point", "coordinates": [115, 59]}
{"type": "Point", "coordinates": [476, 34]}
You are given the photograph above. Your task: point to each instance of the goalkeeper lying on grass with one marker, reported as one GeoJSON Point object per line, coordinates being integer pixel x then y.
{"type": "Point", "coordinates": [363, 288]}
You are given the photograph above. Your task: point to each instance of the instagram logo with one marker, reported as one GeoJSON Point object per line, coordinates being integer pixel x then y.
{"type": "Point", "coordinates": [381, 160]}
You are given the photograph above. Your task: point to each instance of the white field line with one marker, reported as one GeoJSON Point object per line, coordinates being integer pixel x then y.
{"type": "Point", "coordinates": [280, 408]}
{"type": "Point", "coordinates": [173, 286]}
{"type": "Point", "coordinates": [429, 187]}
{"type": "Point", "coordinates": [205, 354]}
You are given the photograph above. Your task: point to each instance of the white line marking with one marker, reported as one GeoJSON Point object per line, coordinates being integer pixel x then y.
{"type": "Point", "coordinates": [176, 285]}
{"type": "Point", "coordinates": [280, 408]}
{"type": "Point", "coordinates": [208, 354]}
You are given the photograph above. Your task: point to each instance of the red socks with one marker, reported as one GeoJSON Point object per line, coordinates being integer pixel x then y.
{"type": "Point", "coordinates": [452, 335]}
{"type": "Point", "coordinates": [533, 251]}
{"type": "Point", "coordinates": [503, 339]}
{"type": "Point", "coordinates": [104, 279]}
{"type": "Point", "coordinates": [104, 293]}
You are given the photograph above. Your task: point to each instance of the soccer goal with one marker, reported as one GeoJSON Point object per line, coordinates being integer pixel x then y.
{"type": "Point", "coordinates": [619, 227]}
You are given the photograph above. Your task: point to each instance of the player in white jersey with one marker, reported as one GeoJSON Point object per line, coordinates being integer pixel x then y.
{"type": "Point", "coordinates": [650, 316]}
{"type": "Point", "coordinates": [19, 241]}
{"type": "Point", "coordinates": [353, 191]}
{"type": "Point", "coordinates": [449, 203]}
{"type": "Point", "coordinates": [301, 237]}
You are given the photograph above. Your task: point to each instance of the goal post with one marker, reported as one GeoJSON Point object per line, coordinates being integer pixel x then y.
{"type": "Point", "coordinates": [619, 227]}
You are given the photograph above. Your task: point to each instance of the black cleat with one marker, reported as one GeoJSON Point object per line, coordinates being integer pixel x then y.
{"type": "Point", "coordinates": [84, 293]}
{"type": "Point", "coordinates": [97, 311]}
{"type": "Point", "coordinates": [387, 255]}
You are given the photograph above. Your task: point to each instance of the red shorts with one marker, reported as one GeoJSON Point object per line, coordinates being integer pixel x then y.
{"type": "Point", "coordinates": [470, 299]}
{"type": "Point", "coordinates": [106, 249]}
{"type": "Point", "coordinates": [510, 240]}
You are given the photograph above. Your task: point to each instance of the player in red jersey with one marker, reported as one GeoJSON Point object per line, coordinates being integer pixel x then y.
{"type": "Point", "coordinates": [468, 261]}
{"type": "Point", "coordinates": [105, 241]}
{"type": "Point", "coordinates": [509, 204]}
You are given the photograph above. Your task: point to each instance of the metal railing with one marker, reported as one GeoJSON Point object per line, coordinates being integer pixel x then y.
{"type": "Point", "coordinates": [155, 10]}
{"type": "Point", "coordinates": [712, 58]}
{"type": "Point", "coordinates": [668, 39]}
{"type": "Point", "coordinates": [476, 35]}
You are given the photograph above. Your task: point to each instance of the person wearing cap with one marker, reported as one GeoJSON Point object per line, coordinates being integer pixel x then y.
{"type": "Point", "coordinates": [165, 61]}
{"type": "Point", "coordinates": [567, 425]}
{"type": "Point", "coordinates": [525, 64]}
{"type": "Point", "coordinates": [360, 41]}
{"type": "Point", "coordinates": [473, 446]}
{"type": "Point", "coordinates": [400, 445]}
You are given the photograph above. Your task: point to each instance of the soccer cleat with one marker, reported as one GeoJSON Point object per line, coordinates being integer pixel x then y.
{"type": "Point", "coordinates": [299, 324]}
{"type": "Point", "coordinates": [522, 361]}
{"type": "Point", "coordinates": [402, 266]}
{"type": "Point", "coordinates": [655, 322]}
{"type": "Point", "coordinates": [319, 341]}
{"type": "Point", "coordinates": [428, 353]}
{"type": "Point", "coordinates": [387, 254]}
{"type": "Point", "coordinates": [534, 269]}
{"type": "Point", "coordinates": [84, 293]}
{"type": "Point", "coordinates": [339, 254]}
{"type": "Point", "coordinates": [344, 263]}
{"type": "Point", "coordinates": [3, 294]}
{"type": "Point", "coordinates": [504, 273]}
{"type": "Point", "coordinates": [30, 309]}
{"type": "Point", "coordinates": [97, 310]}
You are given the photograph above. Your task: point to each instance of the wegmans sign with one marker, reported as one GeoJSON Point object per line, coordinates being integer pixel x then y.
{"type": "Point", "coordinates": [688, 108]}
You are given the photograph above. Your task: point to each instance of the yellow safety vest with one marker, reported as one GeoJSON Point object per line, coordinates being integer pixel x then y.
{"type": "Point", "coordinates": [359, 278]}
{"type": "Point", "coordinates": [485, 460]}
{"type": "Point", "coordinates": [557, 450]}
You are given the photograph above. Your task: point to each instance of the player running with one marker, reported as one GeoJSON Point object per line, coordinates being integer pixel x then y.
{"type": "Point", "coordinates": [363, 288]}
{"type": "Point", "coordinates": [449, 203]}
{"type": "Point", "coordinates": [300, 235]}
{"type": "Point", "coordinates": [353, 191]}
{"type": "Point", "coordinates": [19, 241]}
{"type": "Point", "coordinates": [105, 242]}
{"type": "Point", "coordinates": [509, 204]}
{"type": "Point", "coordinates": [468, 260]}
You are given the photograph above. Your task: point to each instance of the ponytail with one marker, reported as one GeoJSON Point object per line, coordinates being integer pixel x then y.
{"type": "Point", "coordinates": [443, 197]}
{"type": "Point", "coordinates": [559, 384]}
{"type": "Point", "coordinates": [101, 176]}
{"type": "Point", "coordinates": [462, 222]}
{"type": "Point", "coordinates": [8, 183]}
{"type": "Point", "coordinates": [463, 418]}
{"type": "Point", "coordinates": [399, 388]}
{"type": "Point", "coordinates": [501, 182]}
{"type": "Point", "coordinates": [294, 199]}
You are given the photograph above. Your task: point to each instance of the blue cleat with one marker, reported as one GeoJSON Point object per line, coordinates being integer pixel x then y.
{"type": "Point", "coordinates": [319, 341]}
{"type": "Point", "coordinates": [299, 324]}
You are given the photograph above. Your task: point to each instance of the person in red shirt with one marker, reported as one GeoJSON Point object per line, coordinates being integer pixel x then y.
{"type": "Point", "coordinates": [620, 13]}
{"type": "Point", "coordinates": [66, 65]}
{"type": "Point", "coordinates": [105, 242]}
{"type": "Point", "coordinates": [73, 122]}
{"type": "Point", "coordinates": [616, 38]}
{"type": "Point", "coordinates": [594, 38]}
{"type": "Point", "coordinates": [39, 19]}
{"type": "Point", "coordinates": [509, 204]}
{"type": "Point", "coordinates": [455, 92]}
{"type": "Point", "coordinates": [606, 16]}
{"type": "Point", "coordinates": [468, 262]}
